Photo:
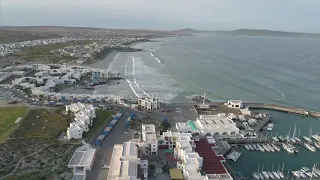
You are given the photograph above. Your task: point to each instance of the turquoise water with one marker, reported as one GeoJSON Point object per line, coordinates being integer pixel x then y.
{"type": "Point", "coordinates": [257, 69]}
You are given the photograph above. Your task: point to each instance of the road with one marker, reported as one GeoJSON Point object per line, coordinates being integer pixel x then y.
{"type": "Point", "coordinates": [104, 153]}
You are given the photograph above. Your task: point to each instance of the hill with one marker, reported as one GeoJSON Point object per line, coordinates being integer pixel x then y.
{"type": "Point", "coordinates": [253, 32]}
{"type": "Point", "coordinates": [7, 36]}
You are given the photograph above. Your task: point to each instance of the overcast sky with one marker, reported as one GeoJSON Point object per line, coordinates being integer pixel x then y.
{"type": "Point", "coordinates": [285, 15]}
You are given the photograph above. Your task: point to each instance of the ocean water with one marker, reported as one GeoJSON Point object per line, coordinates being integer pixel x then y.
{"type": "Point", "coordinates": [256, 69]}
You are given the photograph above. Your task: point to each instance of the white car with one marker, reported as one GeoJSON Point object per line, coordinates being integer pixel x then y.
{"type": "Point", "coordinates": [105, 166]}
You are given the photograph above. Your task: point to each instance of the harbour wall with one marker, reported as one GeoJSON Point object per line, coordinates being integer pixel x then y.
{"type": "Point", "coordinates": [281, 108]}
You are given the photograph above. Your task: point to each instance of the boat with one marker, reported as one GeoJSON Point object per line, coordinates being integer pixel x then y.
{"type": "Point", "coordinates": [296, 174]}
{"type": "Point", "coordinates": [275, 147]}
{"type": "Point", "coordinates": [302, 174]}
{"type": "Point", "coordinates": [281, 138]}
{"type": "Point", "coordinates": [270, 127]}
{"type": "Point", "coordinates": [271, 175]}
{"type": "Point", "coordinates": [275, 139]}
{"type": "Point", "coordinates": [275, 173]}
{"type": "Point", "coordinates": [316, 171]}
{"type": "Point", "coordinates": [256, 147]}
{"type": "Point", "coordinates": [251, 146]}
{"type": "Point", "coordinates": [247, 147]}
{"type": "Point", "coordinates": [307, 139]}
{"type": "Point", "coordinates": [266, 147]}
{"type": "Point", "coordinates": [265, 174]}
{"type": "Point", "coordinates": [260, 148]}
{"type": "Point", "coordinates": [309, 147]}
{"type": "Point", "coordinates": [255, 175]}
{"type": "Point", "coordinates": [306, 171]}
{"type": "Point", "coordinates": [280, 172]}
{"type": "Point", "coordinates": [317, 144]}
{"type": "Point", "coordinates": [316, 137]}
{"type": "Point", "coordinates": [270, 147]}
{"type": "Point", "coordinates": [260, 175]}
{"type": "Point", "coordinates": [293, 148]}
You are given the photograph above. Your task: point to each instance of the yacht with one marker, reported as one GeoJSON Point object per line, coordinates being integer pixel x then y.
{"type": "Point", "coordinates": [266, 147]}
{"type": "Point", "coordinates": [270, 127]}
{"type": "Point", "coordinates": [296, 174]}
{"type": "Point", "coordinates": [271, 175]}
{"type": "Point", "coordinates": [261, 148]}
{"type": "Point", "coordinates": [270, 147]}
{"type": "Point", "coordinates": [251, 147]}
{"type": "Point", "coordinates": [276, 174]}
{"type": "Point", "coordinates": [247, 147]}
{"type": "Point", "coordinates": [265, 174]}
{"type": "Point", "coordinates": [256, 147]}
{"type": "Point", "coordinates": [310, 147]}
{"type": "Point", "coordinates": [281, 138]}
{"type": "Point", "coordinates": [316, 137]}
{"type": "Point", "coordinates": [261, 175]}
{"type": "Point", "coordinates": [255, 175]}
{"type": "Point", "coordinates": [275, 147]}
{"type": "Point", "coordinates": [317, 144]}
{"type": "Point", "coordinates": [302, 174]}
{"type": "Point", "coordinates": [280, 172]}
{"type": "Point", "coordinates": [307, 139]}
{"type": "Point", "coordinates": [316, 171]}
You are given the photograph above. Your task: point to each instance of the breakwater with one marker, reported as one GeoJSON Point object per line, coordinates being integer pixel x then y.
{"type": "Point", "coordinates": [281, 108]}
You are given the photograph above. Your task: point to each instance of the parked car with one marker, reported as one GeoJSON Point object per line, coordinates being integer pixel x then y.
{"type": "Point", "coordinates": [105, 166]}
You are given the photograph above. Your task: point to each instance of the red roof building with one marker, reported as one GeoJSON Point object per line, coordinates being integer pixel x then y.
{"type": "Point", "coordinates": [212, 163]}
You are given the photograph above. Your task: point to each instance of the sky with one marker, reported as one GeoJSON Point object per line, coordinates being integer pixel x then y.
{"type": "Point", "coordinates": [284, 15]}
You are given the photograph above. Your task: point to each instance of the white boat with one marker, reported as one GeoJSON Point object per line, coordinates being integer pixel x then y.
{"type": "Point", "coordinates": [310, 147]}
{"type": "Point", "coordinates": [271, 175]}
{"type": "Point", "coordinates": [256, 147]}
{"type": "Point", "coordinates": [275, 147]}
{"type": "Point", "coordinates": [296, 174]}
{"type": "Point", "coordinates": [266, 147]}
{"type": "Point", "coordinates": [247, 147]}
{"type": "Point", "coordinates": [270, 147]}
{"type": "Point", "coordinates": [261, 175]}
{"type": "Point", "coordinates": [307, 139]}
{"type": "Point", "coordinates": [297, 139]}
{"type": "Point", "coordinates": [316, 137]}
{"type": "Point", "coordinates": [270, 127]}
{"type": "Point", "coordinates": [317, 144]}
{"type": "Point", "coordinates": [261, 148]}
{"type": "Point", "coordinates": [276, 175]}
{"type": "Point", "coordinates": [302, 174]}
{"type": "Point", "coordinates": [251, 146]}
{"type": "Point", "coordinates": [265, 174]}
{"type": "Point", "coordinates": [255, 175]}
{"type": "Point", "coordinates": [280, 172]}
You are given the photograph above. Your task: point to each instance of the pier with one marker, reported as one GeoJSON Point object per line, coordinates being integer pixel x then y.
{"type": "Point", "coordinates": [281, 108]}
{"type": "Point", "coordinates": [263, 123]}
{"type": "Point", "coordinates": [246, 140]}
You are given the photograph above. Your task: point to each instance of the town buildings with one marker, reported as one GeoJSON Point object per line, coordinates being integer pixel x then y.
{"type": "Point", "coordinates": [125, 163]}
{"type": "Point", "coordinates": [81, 161]}
{"type": "Point", "coordinates": [149, 139]}
{"type": "Point", "coordinates": [84, 116]}
{"type": "Point", "coordinates": [149, 103]}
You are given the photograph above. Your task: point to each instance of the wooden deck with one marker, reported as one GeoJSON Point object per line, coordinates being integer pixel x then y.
{"type": "Point", "coordinates": [282, 108]}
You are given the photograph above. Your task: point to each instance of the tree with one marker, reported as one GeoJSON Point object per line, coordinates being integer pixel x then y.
{"type": "Point", "coordinates": [152, 166]}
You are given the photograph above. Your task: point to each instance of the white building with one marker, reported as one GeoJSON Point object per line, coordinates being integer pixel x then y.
{"type": "Point", "coordinates": [235, 104]}
{"type": "Point", "coordinates": [149, 138]}
{"type": "Point", "coordinates": [124, 163]}
{"type": "Point", "coordinates": [84, 115]}
{"type": "Point", "coordinates": [191, 163]}
{"type": "Point", "coordinates": [81, 161]}
{"type": "Point", "coordinates": [216, 125]}
{"type": "Point", "coordinates": [149, 103]}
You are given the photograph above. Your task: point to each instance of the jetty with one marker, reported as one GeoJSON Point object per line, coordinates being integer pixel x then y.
{"type": "Point", "coordinates": [281, 108]}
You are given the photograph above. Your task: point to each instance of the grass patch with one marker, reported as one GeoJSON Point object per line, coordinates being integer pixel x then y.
{"type": "Point", "coordinates": [45, 123]}
{"type": "Point", "coordinates": [102, 117]}
{"type": "Point", "coordinates": [45, 49]}
{"type": "Point", "coordinates": [8, 115]}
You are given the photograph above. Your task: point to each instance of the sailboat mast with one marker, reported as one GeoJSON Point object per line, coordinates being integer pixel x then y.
{"type": "Point", "coordinates": [294, 132]}
{"type": "Point", "coordinates": [282, 167]}
{"type": "Point", "coordinates": [278, 167]}
{"type": "Point", "coordinates": [204, 98]}
{"type": "Point", "coordinates": [289, 131]}
{"type": "Point", "coordinates": [310, 132]}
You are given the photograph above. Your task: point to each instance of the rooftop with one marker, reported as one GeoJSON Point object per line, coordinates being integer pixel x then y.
{"type": "Point", "coordinates": [211, 161]}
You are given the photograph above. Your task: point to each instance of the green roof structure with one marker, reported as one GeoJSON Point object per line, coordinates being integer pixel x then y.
{"type": "Point", "coordinates": [192, 125]}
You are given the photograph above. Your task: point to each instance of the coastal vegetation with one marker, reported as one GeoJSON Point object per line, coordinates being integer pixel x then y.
{"type": "Point", "coordinates": [32, 151]}
{"type": "Point", "coordinates": [8, 115]}
{"type": "Point", "coordinates": [103, 117]}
